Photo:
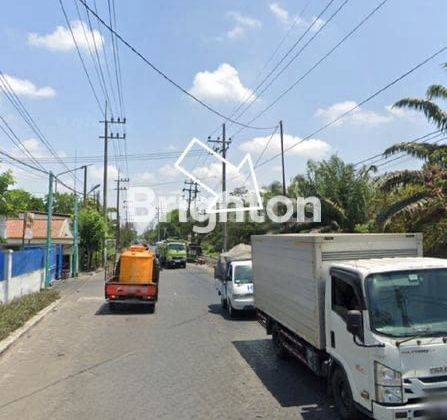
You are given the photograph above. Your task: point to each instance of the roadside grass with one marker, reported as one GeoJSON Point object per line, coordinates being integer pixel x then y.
{"type": "Point", "coordinates": [14, 314]}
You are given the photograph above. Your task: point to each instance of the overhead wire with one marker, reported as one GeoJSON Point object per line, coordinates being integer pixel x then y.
{"type": "Point", "coordinates": [318, 63]}
{"type": "Point", "coordinates": [163, 74]}
{"type": "Point", "coordinates": [363, 102]}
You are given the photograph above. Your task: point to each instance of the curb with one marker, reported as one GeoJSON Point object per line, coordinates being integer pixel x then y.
{"type": "Point", "coordinates": [14, 336]}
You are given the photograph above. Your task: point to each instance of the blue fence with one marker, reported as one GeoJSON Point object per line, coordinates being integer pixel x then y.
{"type": "Point", "coordinates": [2, 266]}
{"type": "Point", "coordinates": [27, 261]}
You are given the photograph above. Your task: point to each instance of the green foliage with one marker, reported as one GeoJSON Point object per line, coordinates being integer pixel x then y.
{"type": "Point", "coordinates": [20, 201]}
{"type": "Point", "coordinates": [6, 180]}
{"type": "Point", "coordinates": [345, 193]}
{"type": "Point", "coordinates": [63, 203]}
{"type": "Point", "coordinates": [13, 315]}
{"type": "Point", "coordinates": [92, 228]}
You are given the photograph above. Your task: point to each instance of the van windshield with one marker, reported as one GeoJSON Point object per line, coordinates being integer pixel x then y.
{"type": "Point", "coordinates": [407, 303]}
{"type": "Point", "coordinates": [243, 274]}
{"type": "Point", "coordinates": [176, 247]}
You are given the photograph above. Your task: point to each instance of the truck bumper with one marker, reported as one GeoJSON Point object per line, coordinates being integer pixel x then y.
{"type": "Point", "coordinates": [420, 411]}
{"type": "Point", "coordinates": [245, 304]}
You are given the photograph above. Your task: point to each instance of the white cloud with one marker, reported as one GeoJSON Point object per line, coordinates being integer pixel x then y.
{"type": "Point", "coordinates": [61, 39]}
{"type": "Point", "coordinates": [312, 148]}
{"type": "Point", "coordinates": [241, 25]}
{"type": "Point", "coordinates": [24, 87]}
{"type": "Point", "coordinates": [287, 19]}
{"type": "Point", "coordinates": [407, 114]}
{"type": "Point", "coordinates": [359, 116]}
{"type": "Point", "coordinates": [222, 84]}
{"type": "Point", "coordinates": [169, 171]}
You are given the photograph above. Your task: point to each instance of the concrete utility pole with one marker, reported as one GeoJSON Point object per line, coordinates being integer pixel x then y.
{"type": "Point", "coordinates": [118, 221]}
{"type": "Point", "coordinates": [106, 137]}
{"type": "Point", "coordinates": [284, 187]}
{"type": "Point", "coordinates": [85, 186]}
{"type": "Point", "coordinates": [222, 147]}
{"type": "Point", "coordinates": [109, 136]}
{"type": "Point", "coordinates": [192, 192]}
{"type": "Point", "coordinates": [49, 223]}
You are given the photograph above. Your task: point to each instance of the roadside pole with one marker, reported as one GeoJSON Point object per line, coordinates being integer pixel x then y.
{"type": "Point", "coordinates": [75, 256]}
{"type": "Point", "coordinates": [49, 223]}
{"type": "Point", "coordinates": [85, 186]}
{"type": "Point", "coordinates": [284, 187]}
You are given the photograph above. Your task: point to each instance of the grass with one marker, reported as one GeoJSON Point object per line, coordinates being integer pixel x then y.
{"type": "Point", "coordinates": [14, 315]}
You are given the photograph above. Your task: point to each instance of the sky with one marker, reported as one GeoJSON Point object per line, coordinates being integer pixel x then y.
{"type": "Point", "coordinates": [217, 51]}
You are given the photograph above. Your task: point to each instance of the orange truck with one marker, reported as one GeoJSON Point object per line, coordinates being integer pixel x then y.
{"type": "Point", "coordinates": [135, 279]}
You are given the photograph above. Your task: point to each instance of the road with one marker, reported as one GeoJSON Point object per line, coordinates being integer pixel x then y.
{"type": "Point", "coordinates": [185, 361]}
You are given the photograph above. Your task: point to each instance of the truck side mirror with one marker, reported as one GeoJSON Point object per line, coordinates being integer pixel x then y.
{"type": "Point", "coordinates": [354, 324]}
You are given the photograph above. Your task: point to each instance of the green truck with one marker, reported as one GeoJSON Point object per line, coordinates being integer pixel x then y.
{"type": "Point", "coordinates": [172, 253]}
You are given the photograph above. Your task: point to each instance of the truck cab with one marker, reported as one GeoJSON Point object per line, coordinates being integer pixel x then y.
{"type": "Point", "coordinates": [172, 253]}
{"type": "Point", "coordinates": [236, 288]}
{"type": "Point", "coordinates": [386, 333]}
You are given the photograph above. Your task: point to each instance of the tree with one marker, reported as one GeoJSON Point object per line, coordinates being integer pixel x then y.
{"type": "Point", "coordinates": [345, 193]}
{"type": "Point", "coordinates": [20, 201]}
{"type": "Point", "coordinates": [92, 228]}
{"type": "Point", "coordinates": [6, 180]}
{"type": "Point", "coordinates": [420, 196]}
{"type": "Point", "coordinates": [62, 203]}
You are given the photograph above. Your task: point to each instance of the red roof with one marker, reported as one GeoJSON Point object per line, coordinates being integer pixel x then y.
{"type": "Point", "coordinates": [60, 229]}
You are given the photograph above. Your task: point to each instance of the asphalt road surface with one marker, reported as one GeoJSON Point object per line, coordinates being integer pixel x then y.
{"type": "Point", "coordinates": [185, 361]}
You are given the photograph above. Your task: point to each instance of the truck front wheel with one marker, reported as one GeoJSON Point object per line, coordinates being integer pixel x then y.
{"type": "Point", "coordinates": [344, 403]}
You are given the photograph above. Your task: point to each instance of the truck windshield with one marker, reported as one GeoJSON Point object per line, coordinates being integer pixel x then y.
{"type": "Point", "coordinates": [176, 247]}
{"type": "Point", "coordinates": [408, 303]}
{"type": "Point", "coordinates": [243, 274]}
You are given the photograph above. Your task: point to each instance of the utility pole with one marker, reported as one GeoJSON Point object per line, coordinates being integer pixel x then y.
{"type": "Point", "coordinates": [281, 131]}
{"type": "Point", "coordinates": [192, 191]}
{"type": "Point", "coordinates": [49, 223]}
{"type": "Point", "coordinates": [85, 185]}
{"type": "Point", "coordinates": [158, 223]}
{"type": "Point", "coordinates": [75, 258]}
{"type": "Point", "coordinates": [222, 146]}
{"type": "Point", "coordinates": [106, 137]}
{"type": "Point", "coordinates": [118, 223]}
{"type": "Point", "coordinates": [109, 136]}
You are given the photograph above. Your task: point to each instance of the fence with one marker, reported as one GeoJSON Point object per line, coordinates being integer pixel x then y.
{"type": "Point", "coordinates": [23, 272]}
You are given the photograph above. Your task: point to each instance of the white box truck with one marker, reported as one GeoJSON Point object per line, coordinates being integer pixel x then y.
{"type": "Point", "coordinates": [365, 311]}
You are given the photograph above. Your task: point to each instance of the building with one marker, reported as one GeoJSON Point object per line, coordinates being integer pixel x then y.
{"type": "Point", "coordinates": [21, 234]}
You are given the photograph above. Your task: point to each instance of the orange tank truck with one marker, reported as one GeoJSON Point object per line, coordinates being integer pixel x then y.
{"type": "Point", "coordinates": [135, 279]}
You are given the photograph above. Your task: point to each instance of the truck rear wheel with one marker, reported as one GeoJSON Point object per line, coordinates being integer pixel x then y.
{"type": "Point", "coordinates": [341, 390]}
{"type": "Point", "coordinates": [280, 351]}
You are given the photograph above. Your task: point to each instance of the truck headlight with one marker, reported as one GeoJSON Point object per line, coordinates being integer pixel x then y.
{"type": "Point", "coordinates": [388, 385]}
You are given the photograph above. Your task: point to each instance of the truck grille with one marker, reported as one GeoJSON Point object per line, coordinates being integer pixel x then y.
{"type": "Point", "coordinates": [426, 388]}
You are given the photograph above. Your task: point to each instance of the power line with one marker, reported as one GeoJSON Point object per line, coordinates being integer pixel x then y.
{"type": "Point", "coordinates": [299, 52]}
{"type": "Point", "coordinates": [363, 102]}
{"type": "Point", "coordinates": [319, 62]}
{"type": "Point", "coordinates": [416, 140]}
{"type": "Point", "coordinates": [84, 67]}
{"type": "Point", "coordinates": [165, 76]}
{"type": "Point", "coordinates": [13, 98]}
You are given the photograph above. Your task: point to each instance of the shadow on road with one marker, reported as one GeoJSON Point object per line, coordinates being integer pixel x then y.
{"type": "Point", "coordinates": [216, 308]}
{"type": "Point", "coordinates": [123, 309]}
{"type": "Point", "coordinates": [290, 382]}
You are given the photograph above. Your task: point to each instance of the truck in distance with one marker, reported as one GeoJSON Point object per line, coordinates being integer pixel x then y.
{"type": "Point", "coordinates": [172, 253]}
{"type": "Point", "coordinates": [365, 311]}
{"type": "Point", "coordinates": [135, 280]}
{"type": "Point", "coordinates": [234, 280]}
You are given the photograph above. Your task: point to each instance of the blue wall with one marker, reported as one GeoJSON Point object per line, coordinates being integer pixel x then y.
{"type": "Point", "coordinates": [2, 265]}
{"type": "Point", "coordinates": [27, 261]}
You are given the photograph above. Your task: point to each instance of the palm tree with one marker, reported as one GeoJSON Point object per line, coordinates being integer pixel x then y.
{"type": "Point", "coordinates": [422, 193]}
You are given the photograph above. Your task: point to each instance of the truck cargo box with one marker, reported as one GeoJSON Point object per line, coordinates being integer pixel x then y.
{"type": "Point", "coordinates": [136, 267]}
{"type": "Point", "coordinates": [289, 272]}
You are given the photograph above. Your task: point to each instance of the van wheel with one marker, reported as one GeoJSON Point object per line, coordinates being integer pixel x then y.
{"type": "Point", "coordinates": [223, 302]}
{"type": "Point", "coordinates": [344, 403]}
{"type": "Point", "coordinates": [280, 350]}
{"type": "Point", "coordinates": [231, 311]}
